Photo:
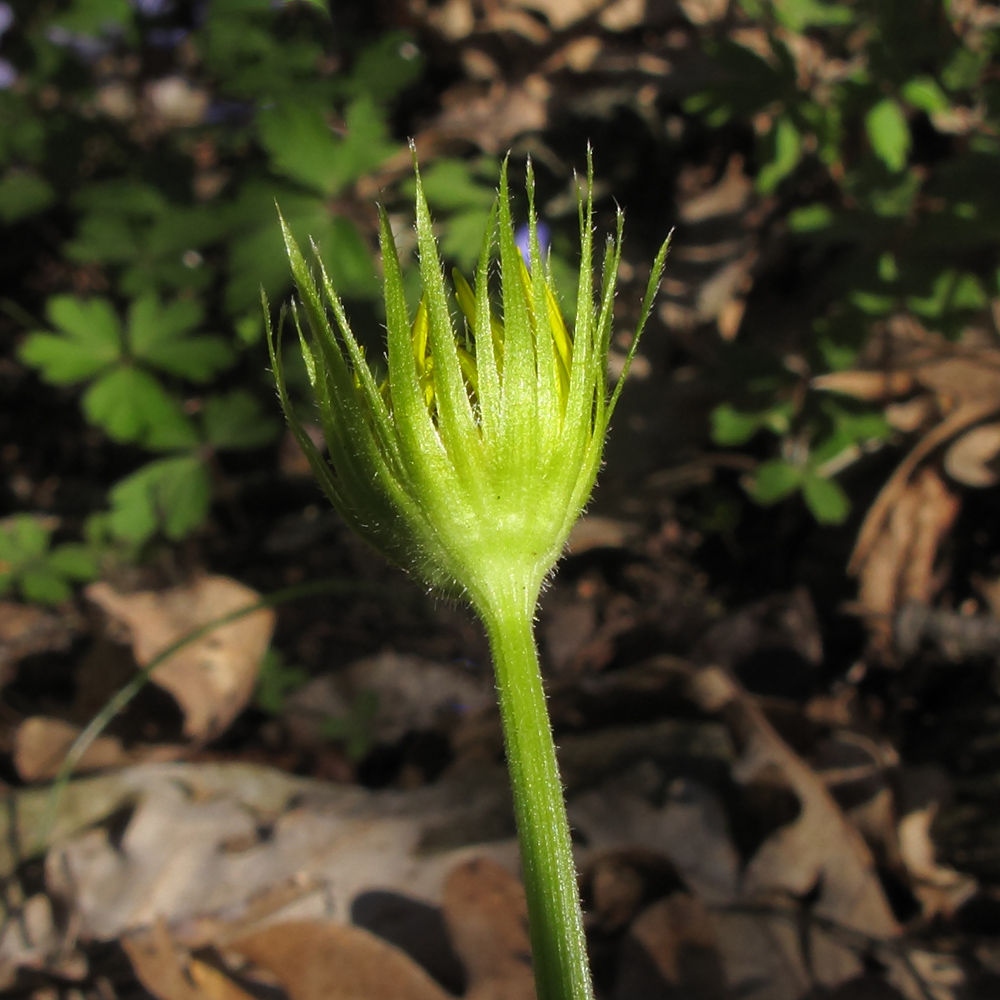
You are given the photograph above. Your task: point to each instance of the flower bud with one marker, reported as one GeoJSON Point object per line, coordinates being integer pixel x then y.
{"type": "Point", "coordinates": [469, 463]}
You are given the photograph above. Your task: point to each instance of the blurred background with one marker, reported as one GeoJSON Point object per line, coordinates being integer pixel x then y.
{"type": "Point", "coordinates": [801, 485]}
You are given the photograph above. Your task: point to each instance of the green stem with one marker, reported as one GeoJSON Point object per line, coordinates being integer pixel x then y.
{"type": "Point", "coordinates": [558, 944]}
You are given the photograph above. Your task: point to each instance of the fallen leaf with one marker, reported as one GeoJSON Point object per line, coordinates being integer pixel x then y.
{"type": "Point", "coordinates": [730, 196]}
{"type": "Point", "coordinates": [326, 961]}
{"type": "Point", "coordinates": [206, 839]}
{"type": "Point", "coordinates": [560, 14]}
{"type": "Point", "coordinates": [961, 382]}
{"type": "Point", "coordinates": [714, 250]}
{"type": "Point", "coordinates": [703, 12]}
{"type": "Point", "coordinates": [27, 629]}
{"type": "Point", "coordinates": [940, 889]}
{"type": "Point", "coordinates": [415, 694]}
{"type": "Point", "coordinates": [621, 15]}
{"type": "Point", "coordinates": [870, 386]}
{"type": "Point", "coordinates": [30, 938]}
{"type": "Point", "coordinates": [899, 566]}
{"type": "Point", "coordinates": [487, 917]}
{"type": "Point", "coordinates": [454, 19]}
{"type": "Point", "coordinates": [212, 678]}
{"type": "Point", "coordinates": [492, 119]}
{"type": "Point", "coordinates": [679, 935]}
{"type": "Point", "coordinates": [818, 849]}
{"type": "Point", "coordinates": [971, 459]}
{"type": "Point", "coordinates": [40, 745]}
{"type": "Point", "coordinates": [170, 973]}
{"type": "Point", "coordinates": [617, 887]}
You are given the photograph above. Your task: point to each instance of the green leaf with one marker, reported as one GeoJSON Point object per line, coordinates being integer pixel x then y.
{"type": "Point", "coordinates": [810, 218]}
{"type": "Point", "coordinates": [249, 328]}
{"type": "Point", "coordinates": [933, 305]}
{"type": "Point", "coordinates": [236, 421]}
{"type": "Point", "coordinates": [172, 495]}
{"type": "Point", "coordinates": [22, 539]}
{"type": "Point", "coordinates": [356, 730]}
{"type": "Point", "coordinates": [90, 340]}
{"type": "Point", "coordinates": [78, 562]}
{"type": "Point", "coordinates": [157, 335]}
{"type": "Point", "coordinates": [797, 15]}
{"type": "Point", "coordinates": [787, 152]}
{"type": "Point", "coordinates": [872, 304]}
{"type": "Point", "coordinates": [451, 185]}
{"type": "Point", "coordinates": [23, 194]}
{"type": "Point", "coordinates": [318, 4]}
{"type": "Point", "coordinates": [968, 293]}
{"type": "Point", "coordinates": [925, 93]}
{"type": "Point", "coordinates": [889, 133]}
{"type": "Point", "coordinates": [131, 405]}
{"type": "Point", "coordinates": [276, 681]}
{"type": "Point", "coordinates": [896, 201]}
{"type": "Point", "coordinates": [348, 260]}
{"type": "Point", "coordinates": [301, 145]}
{"type": "Point", "coordinates": [94, 17]}
{"type": "Point", "coordinates": [463, 239]}
{"type": "Point", "coordinates": [386, 67]}
{"type": "Point", "coordinates": [824, 497]}
{"type": "Point", "coordinates": [965, 68]}
{"type": "Point", "coordinates": [150, 323]}
{"type": "Point", "coordinates": [257, 254]}
{"type": "Point", "coordinates": [135, 226]}
{"type": "Point", "coordinates": [44, 586]}
{"type": "Point", "coordinates": [774, 480]}
{"type": "Point", "coordinates": [733, 427]}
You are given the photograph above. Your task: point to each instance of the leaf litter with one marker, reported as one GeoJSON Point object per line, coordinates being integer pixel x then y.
{"type": "Point", "coordinates": [212, 860]}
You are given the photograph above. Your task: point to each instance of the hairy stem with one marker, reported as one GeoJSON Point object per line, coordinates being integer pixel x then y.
{"type": "Point", "coordinates": [558, 943]}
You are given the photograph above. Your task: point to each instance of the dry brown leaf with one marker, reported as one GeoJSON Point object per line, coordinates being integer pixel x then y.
{"type": "Point", "coordinates": [212, 678]}
{"type": "Point", "coordinates": [170, 973]}
{"type": "Point", "coordinates": [487, 917]}
{"type": "Point", "coordinates": [911, 415]}
{"type": "Point", "coordinates": [971, 458]}
{"type": "Point", "coordinates": [415, 694]}
{"type": "Point", "coordinates": [704, 11]}
{"type": "Point", "coordinates": [680, 936]}
{"type": "Point", "coordinates": [326, 961]}
{"type": "Point", "coordinates": [962, 384]}
{"type": "Point", "coordinates": [899, 565]}
{"type": "Point", "coordinates": [26, 629]}
{"type": "Point", "coordinates": [206, 839]}
{"type": "Point", "coordinates": [454, 19]}
{"type": "Point", "coordinates": [819, 851]}
{"type": "Point", "coordinates": [492, 119]}
{"type": "Point", "coordinates": [621, 15]}
{"type": "Point", "coordinates": [518, 22]}
{"type": "Point", "coordinates": [941, 890]}
{"type": "Point", "coordinates": [41, 743]}
{"type": "Point", "coordinates": [30, 938]}
{"type": "Point", "coordinates": [873, 387]}
{"type": "Point", "coordinates": [560, 14]}
{"type": "Point", "coordinates": [965, 385]}
{"type": "Point", "coordinates": [730, 196]}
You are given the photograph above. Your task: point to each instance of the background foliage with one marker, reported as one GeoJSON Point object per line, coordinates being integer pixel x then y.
{"type": "Point", "coordinates": [876, 135]}
{"type": "Point", "coordinates": [144, 144]}
{"type": "Point", "coordinates": [150, 144]}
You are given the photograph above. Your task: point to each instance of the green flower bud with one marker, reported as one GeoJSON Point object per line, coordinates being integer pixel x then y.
{"type": "Point", "coordinates": [470, 462]}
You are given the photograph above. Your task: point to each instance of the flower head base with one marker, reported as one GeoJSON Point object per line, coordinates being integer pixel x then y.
{"type": "Point", "coordinates": [469, 464]}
